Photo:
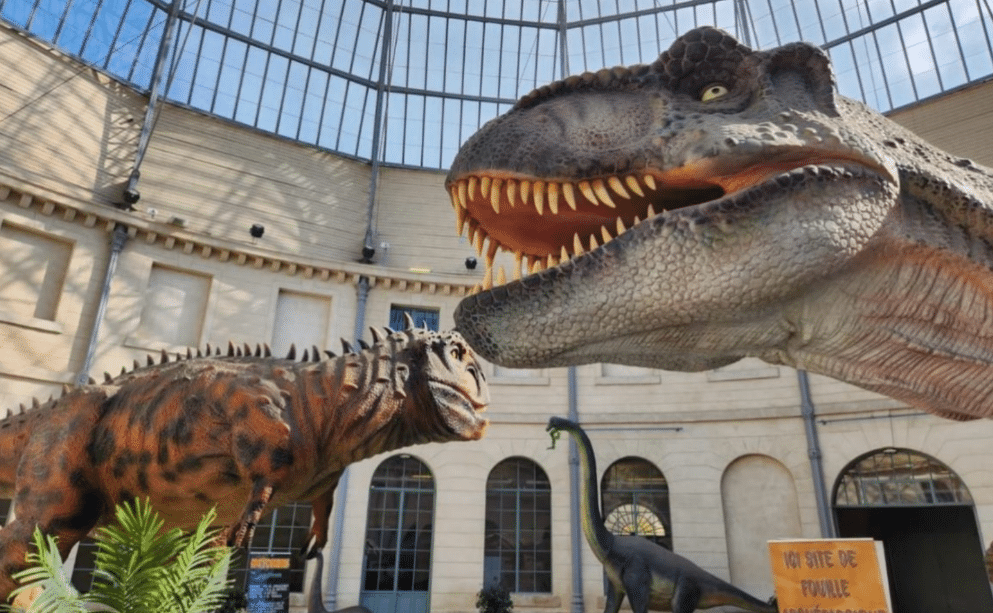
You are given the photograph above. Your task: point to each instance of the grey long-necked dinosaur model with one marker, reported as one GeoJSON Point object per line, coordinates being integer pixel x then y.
{"type": "Point", "coordinates": [723, 202]}
{"type": "Point", "coordinates": [653, 577]}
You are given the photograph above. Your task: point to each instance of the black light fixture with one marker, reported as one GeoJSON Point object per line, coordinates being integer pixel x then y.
{"type": "Point", "coordinates": [470, 263]}
{"type": "Point", "coordinates": [257, 230]}
{"type": "Point", "coordinates": [367, 253]}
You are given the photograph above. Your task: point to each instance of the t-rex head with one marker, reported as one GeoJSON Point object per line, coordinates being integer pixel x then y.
{"type": "Point", "coordinates": [665, 212]}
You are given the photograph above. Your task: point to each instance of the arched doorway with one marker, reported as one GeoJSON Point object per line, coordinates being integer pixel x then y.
{"type": "Point", "coordinates": [925, 517]}
{"type": "Point", "coordinates": [399, 529]}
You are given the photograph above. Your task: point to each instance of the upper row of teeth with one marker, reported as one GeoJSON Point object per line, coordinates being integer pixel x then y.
{"type": "Point", "coordinates": [538, 193]}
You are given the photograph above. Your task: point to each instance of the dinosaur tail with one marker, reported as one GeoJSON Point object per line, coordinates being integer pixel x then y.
{"type": "Point", "coordinates": [726, 594]}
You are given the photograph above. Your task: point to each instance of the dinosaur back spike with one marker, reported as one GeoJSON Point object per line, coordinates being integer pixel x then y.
{"type": "Point", "coordinates": [377, 336]}
{"type": "Point", "coordinates": [230, 349]}
{"type": "Point", "coordinates": [266, 350]}
{"type": "Point", "coordinates": [164, 357]}
{"type": "Point", "coordinates": [124, 371]}
{"type": "Point", "coordinates": [306, 355]}
{"type": "Point", "coordinates": [292, 354]}
{"type": "Point", "coordinates": [91, 381]}
{"type": "Point", "coordinates": [107, 378]}
{"type": "Point", "coordinates": [149, 360]}
{"type": "Point", "coordinates": [65, 389]}
{"type": "Point", "coordinates": [389, 330]}
{"type": "Point", "coordinates": [315, 353]}
{"type": "Point", "coordinates": [136, 365]}
{"type": "Point", "coordinates": [34, 403]}
{"type": "Point", "coordinates": [346, 347]}
{"type": "Point", "coordinates": [363, 344]}
{"type": "Point", "coordinates": [247, 350]}
{"type": "Point", "coordinates": [329, 353]}
{"type": "Point", "coordinates": [408, 321]}
{"type": "Point", "coordinates": [208, 352]}
{"type": "Point", "coordinates": [189, 354]}
{"type": "Point", "coordinates": [199, 353]}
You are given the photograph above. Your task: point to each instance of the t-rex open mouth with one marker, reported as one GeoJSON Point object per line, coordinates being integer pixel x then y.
{"type": "Point", "coordinates": [544, 222]}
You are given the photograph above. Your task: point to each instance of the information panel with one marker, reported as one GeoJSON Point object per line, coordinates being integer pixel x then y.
{"type": "Point", "coordinates": [830, 576]}
{"type": "Point", "coordinates": [268, 589]}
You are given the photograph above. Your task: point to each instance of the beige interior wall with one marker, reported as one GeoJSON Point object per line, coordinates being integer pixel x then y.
{"type": "Point", "coordinates": [66, 152]}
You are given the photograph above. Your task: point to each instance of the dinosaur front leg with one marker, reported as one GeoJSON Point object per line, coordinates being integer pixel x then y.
{"type": "Point", "coordinates": [242, 532]}
{"type": "Point", "coordinates": [15, 539]}
{"type": "Point", "coordinates": [321, 507]}
{"type": "Point", "coordinates": [614, 598]}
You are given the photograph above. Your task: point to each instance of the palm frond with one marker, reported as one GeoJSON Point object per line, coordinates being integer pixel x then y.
{"type": "Point", "coordinates": [57, 595]}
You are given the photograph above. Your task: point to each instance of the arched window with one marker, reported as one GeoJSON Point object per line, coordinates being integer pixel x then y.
{"type": "Point", "coordinates": [518, 550]}
{"type": "Point", "coordinates": [894, 476]}
{"type": "Point", "coordinates": [635, 499]}
{"type": "Point", "coordinates": [398, 537]}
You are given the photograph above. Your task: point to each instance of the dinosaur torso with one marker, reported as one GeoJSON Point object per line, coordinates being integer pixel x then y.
{"type": "Point", "coordinates": [241, 433]}
{"type": "Point", "coordinates": [721, 203]}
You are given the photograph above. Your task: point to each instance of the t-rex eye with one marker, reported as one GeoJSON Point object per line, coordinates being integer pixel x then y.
{"type": "Point", "coordinates": [713, 92]}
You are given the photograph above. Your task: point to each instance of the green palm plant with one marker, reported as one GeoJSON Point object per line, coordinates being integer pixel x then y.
{"type": "Point", "coordinates": [140, 568]}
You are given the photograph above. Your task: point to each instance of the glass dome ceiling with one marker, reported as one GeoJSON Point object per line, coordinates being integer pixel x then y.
{"type": "Point", "coordinates": [314, 70]}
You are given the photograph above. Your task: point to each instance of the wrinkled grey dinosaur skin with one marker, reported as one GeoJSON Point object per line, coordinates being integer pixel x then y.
{"type": "Point", "coordinates": [650, 575]}
{"type": "Point", "coordinates": [722, 203]}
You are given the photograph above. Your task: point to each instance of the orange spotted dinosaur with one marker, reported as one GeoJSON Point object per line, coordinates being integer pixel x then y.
{"type": "Point", "coordinates": [238, 432]}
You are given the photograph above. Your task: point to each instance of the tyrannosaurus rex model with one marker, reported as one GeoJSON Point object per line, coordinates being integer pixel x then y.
{"type": "Point", "coordinates": [721, 203]}
{"type": "Point", "coordinates": [650, 575]}
{"type": "Point", "coordinates": [239, 433]}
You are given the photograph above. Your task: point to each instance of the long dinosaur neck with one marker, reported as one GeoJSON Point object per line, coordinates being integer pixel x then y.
{"type": "Point", "coordinates": [599, 538]}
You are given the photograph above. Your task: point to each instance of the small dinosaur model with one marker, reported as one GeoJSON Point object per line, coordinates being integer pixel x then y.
{"type": "Point", "coordinates": [721, 203]}
{"type": "Point", "coordinates": [239, 432]}
{"type": "Point", "coordinates": [652, 577]}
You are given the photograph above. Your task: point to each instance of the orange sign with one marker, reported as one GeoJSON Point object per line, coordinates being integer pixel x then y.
{"type": "Point", "coordinates": [270, 562]}
{"type": "Point", "coordinates": [830, 576]}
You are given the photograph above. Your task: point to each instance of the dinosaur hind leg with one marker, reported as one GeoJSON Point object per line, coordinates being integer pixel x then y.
{"type": "Point", "coordinates": [242, 532]}
{"type": "Point", "coordinates": [17, 540]}
{"type": "Point", "coordinates": [686, 596]}
{"type": "Point", "coordinates": [321, 507]}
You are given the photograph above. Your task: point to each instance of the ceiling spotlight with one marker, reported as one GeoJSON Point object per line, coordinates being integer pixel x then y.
{"type": "Point", "coordinates": [257, 230]}
{"type": "Point", "coordinates": [470, 263]}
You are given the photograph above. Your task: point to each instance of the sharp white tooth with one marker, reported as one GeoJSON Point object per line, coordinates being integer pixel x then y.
{"type": "Point", "coordinates": [463, 200]}
{"type": "Point", "coordinates": [495, 194]}
{"type": "Point", "coordinates": [453, 193]}
{"type": "Point", "coordinates": [477, 241]}
{"type": "Point", "coordinates": [484, 186]}
{"type": "Point", "coordinates": [605, 234]}
{"type": "Point", "coordinates": [525, 191]}
{"type": "Point", "coordinates": [488, 279]}
{"type": "Point", "coordinates": [620, 226]}
{"type": "Point", "coordinates": [636, 221]}
{"type": "Point", "coordinates": [473, 183]}
{"type": "Point", "coordinates": [512, 192]}
{"type": "Point", "coordinates": [491, 251]}
{"type": "Point", "coordinates": [488, 258]}
{"type": "Point", "coordinates": [649, 181]}
{"type": "Point", "coordinates": [553, 197]}
{"type": "Point", "coordinates": [551, 261]}
{"type": "Point", "coordinates": [577, 245]}
{"type": "Point", "coordinates": [475, 290]}
{"type": "Point", "coordinates": [460, 216]}
{"type": "Point", "coordinates": [564, 255]}
{"type": "Point", "coordinates": [539, 197]}
{"type": "Point", "coordinates": [518, 260]}
{"type": "Point", "coordinates": [601, 192]}
{"type": "Point", "coordinates": [651, 211]}
{"type": "Point", "coordinates": [537, 266]}
{"type": "Point", "coordinates": [632, 182]}
{"type": "Point", "coordinates": [618, 187]}
{"type": "Point", "coordinates": [570, 195]}
{"type": "Point", "coordinates": [593, 243]}
{"type": "Point", "coordinates": [584, 187]}
{"type": "Point", "coordinates": [501, 276]}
